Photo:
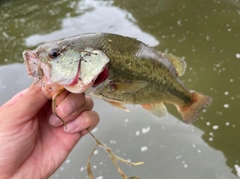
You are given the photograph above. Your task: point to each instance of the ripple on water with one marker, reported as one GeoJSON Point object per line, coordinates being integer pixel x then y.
{"type": "Point", "coordinates": [215, 127]}
{"type": "Point", "coordinates": [226, 105]}
{"type": "Point", "coordinates": [137, 133]}
{"type": "Point", "coordinates": [100, 177]}
{"type": "Point", "coordinates": [237, 168]}
{"type": "Point", "coordinates": [237, 55]}
{"type": "Point", "coordinates": [144, 148]}
{"type": "Point", "coordinates": [146, 130]}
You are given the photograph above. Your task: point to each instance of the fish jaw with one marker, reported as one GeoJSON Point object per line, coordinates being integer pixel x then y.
{"type": "Point", "coordinates": [53, 67]}
{"type": "Point", "coordinates": [39, 71]}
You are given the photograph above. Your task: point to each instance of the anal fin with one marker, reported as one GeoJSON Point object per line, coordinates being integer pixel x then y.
{"type": "Point", "coordinates": [158, 110]}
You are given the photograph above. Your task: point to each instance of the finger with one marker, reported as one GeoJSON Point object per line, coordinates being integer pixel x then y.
{"type": "Point", "coordinates": [14, 99]}
{"type": "Point", "coordinates": [61, 97]}
{"type": "Point", "coordinates": [87, 120]}
{"type": "Point", "coordinates": [70, 108]}
{"type": "Point", "coordinates": [31, 101]}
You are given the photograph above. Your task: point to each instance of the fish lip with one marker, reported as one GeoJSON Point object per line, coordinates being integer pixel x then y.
{"type": "Point", "coordinates": [31, 60]}
{"type": "Point", "coordinates": [26, 61]}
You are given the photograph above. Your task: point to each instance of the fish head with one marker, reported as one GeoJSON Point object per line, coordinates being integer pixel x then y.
{"type": "Point", "coordinates": [54, 63]}
{"type": "Point", "coordinates": [60, 64]}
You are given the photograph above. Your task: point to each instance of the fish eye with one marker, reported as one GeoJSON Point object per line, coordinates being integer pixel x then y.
{"type": "Point", "coordinates": [53, 53]}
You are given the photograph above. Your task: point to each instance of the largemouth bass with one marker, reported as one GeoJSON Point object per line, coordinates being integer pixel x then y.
{"type": "Point", "coordinates": [118, 69]}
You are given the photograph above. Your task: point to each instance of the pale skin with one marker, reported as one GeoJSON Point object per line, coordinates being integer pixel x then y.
{"type": "Point", "coordinates": [33, 141]}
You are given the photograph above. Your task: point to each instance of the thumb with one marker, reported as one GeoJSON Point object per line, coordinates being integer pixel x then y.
{"type": "Point", "coordinates": [31, 102]}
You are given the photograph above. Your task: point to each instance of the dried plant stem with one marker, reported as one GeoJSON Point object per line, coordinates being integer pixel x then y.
{"type": "Point", "coordinates": [54, 106]}
{"type": "Point", "coordinates": [89, 170]}
{"type": "Point", "coordinates": [114, 159]}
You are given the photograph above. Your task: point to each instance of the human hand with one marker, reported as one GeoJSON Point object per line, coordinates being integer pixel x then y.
{"type": "Point", "coordinates": [33, 141]}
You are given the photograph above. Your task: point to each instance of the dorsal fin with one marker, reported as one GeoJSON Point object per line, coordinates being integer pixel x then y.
{"type": "Point", "coordinates": [179, 64]}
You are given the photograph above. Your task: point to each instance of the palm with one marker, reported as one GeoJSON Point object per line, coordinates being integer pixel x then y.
{"type": "Point", "coordinates": [50, 145]}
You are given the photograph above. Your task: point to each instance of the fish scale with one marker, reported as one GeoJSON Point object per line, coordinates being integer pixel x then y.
{"type": "Point", "coordinates": [150, 68]}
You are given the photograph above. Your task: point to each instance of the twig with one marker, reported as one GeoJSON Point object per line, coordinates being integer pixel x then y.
{"type": "Point", "coordinates": [113, 158]}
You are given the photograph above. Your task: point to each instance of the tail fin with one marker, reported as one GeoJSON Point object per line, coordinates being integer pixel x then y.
{"type": "Point", "coordinates": [190, 113]}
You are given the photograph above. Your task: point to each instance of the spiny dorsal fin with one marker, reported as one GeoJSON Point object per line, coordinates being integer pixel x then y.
{"type": "Point", "coordinates": [179, 64]}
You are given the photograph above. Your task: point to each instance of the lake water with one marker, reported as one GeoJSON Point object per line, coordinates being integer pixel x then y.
{"type": "Point", "coordinates": [203, 32]}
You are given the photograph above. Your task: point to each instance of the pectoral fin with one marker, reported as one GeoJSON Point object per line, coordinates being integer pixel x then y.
{"type": "Point", "coordinates": [126, 86]}
{"type": "Point", "coordinates": [179, 64]}
{"type": "Point", "coordinates": [157, 110]}
{"type": "Point", "coordinates": [117, 105]}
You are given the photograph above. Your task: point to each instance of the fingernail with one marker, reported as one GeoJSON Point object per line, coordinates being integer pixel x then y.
{"type": "Point", "coordinates": [71, 127]}
{"type": "Point", "coordinates": [67, 108]}
{"type": "Point", "coordinates": [54, 120]}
